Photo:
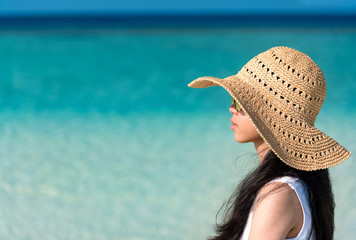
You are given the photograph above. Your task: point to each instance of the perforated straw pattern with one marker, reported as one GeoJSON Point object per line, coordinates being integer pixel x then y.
{"type": "Point", "coordinates": [282, 91]}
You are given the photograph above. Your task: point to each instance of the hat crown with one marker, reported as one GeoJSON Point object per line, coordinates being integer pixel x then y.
{"type": "Point", "coordinates": [290, 80]}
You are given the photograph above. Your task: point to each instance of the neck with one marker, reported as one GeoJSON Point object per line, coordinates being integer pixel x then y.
{"type": "Point", "coordinates": [261, 148]}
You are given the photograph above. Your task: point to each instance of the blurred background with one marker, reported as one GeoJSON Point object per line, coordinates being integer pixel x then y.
{"type": "Point", "coordinates": [100, 137]}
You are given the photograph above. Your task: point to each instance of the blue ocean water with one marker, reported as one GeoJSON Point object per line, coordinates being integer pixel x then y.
{"type": "Point", "coordinates": [102, 139]}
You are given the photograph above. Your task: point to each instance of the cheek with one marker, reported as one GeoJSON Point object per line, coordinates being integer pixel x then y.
{"type": "Point", "coordinates": [253, 132]}
{"type": "Point", "coordinates": [249, 129]}
{"type": "Point", "coordinates": [246, 132]}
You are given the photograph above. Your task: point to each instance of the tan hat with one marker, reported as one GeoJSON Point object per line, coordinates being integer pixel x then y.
{"type": "Point", "coordinates": [282, 91]}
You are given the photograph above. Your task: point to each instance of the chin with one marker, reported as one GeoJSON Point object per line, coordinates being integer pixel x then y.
{"type": "Point", "coordinates": [241, 140]}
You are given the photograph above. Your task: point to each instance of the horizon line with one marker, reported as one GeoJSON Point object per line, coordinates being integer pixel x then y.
{"type": "Point", "coordinates": [166, 20]}
{"type": "Point", "coordinates": [186, 13]}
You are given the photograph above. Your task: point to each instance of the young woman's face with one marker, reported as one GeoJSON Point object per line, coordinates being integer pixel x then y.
{"type": "Point", "coordinates": [242, 126]}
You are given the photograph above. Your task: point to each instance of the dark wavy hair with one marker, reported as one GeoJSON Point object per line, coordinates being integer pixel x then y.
{"type": "Point", "coordinates": [237, 208]}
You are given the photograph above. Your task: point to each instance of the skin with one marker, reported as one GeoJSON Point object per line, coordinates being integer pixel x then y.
{"type": "Point", "coordinates": [278, 214]}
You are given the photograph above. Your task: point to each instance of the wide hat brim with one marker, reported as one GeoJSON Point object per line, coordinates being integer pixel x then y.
{"type": "Point", "coordinates": [302, 147]}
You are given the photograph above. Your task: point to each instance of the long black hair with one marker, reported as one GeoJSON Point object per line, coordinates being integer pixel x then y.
{"type": "Point", "coordinates": [238, 207]}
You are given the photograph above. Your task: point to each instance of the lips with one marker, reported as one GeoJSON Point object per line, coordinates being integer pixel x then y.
{"type": "Point", "coordinates": [233, 124]}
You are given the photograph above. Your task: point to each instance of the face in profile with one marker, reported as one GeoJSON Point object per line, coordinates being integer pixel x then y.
{"type": "Point", "coordinates": [244, 130]}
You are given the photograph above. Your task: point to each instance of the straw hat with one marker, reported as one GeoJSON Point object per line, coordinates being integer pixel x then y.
{"type": "Point", "coordinates": [282, 91]}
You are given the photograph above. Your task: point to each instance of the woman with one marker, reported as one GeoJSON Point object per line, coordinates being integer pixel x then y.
{"type": "Point", "coordinates": [276, 97]}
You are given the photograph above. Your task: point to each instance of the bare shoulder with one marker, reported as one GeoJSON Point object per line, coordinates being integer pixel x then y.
{"type": "Point", "coordinates": [276, 212]}
{"type": "Point", "coordinates": [276, 191]}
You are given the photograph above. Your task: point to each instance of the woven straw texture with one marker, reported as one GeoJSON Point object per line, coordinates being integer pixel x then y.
{"type": "Point", "coordinates": [282, 91]}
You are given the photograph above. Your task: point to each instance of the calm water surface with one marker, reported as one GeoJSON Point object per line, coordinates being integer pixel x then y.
{"type": "Point", "coordinates": [102, 139]}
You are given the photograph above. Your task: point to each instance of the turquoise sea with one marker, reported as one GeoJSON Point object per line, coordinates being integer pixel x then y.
{"type": "Point", "coordinates": [100, 137]}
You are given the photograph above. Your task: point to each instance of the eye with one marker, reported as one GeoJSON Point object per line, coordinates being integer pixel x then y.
{"type": "Point", "coordinates": [236, 105]}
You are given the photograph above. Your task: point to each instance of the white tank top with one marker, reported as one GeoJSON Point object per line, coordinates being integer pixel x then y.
{"type": "Point", "coordinates": [300, 189]}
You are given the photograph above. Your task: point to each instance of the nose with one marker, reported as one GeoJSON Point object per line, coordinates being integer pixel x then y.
{"type": "Point", "coordinates": [233, 110]}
